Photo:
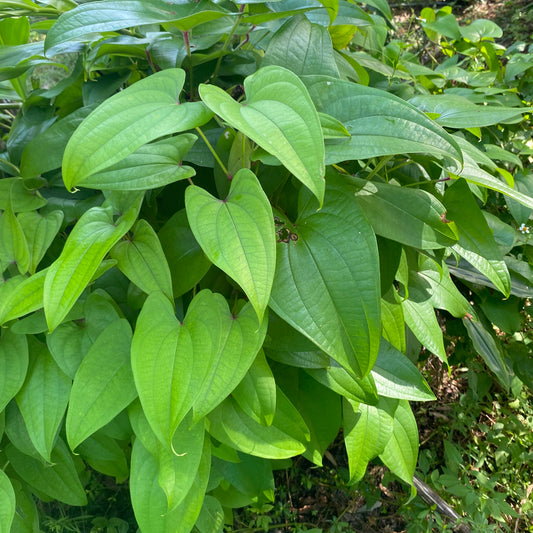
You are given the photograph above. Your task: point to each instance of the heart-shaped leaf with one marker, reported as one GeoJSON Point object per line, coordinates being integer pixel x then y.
{"type": "Point", "coordinates": [237, 234]}
{"type": "Point", "coordinates": [281, 118]}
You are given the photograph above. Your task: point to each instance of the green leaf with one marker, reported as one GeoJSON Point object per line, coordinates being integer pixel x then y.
{"type": "Point", "coordinates": [91, 239]}
{"type": "Point", "coordinates": [149, 501]}
{"type": "Point", "coordinates": [187, 262]}
{"type": "Point", "coordinates": [393, 321]}
{"type": "Point", "coordinates": [239, 340]}
{"type": "Point", "coordinates": [476, 242]}
{"type": "Point", "coordinates": [104, 455]}
{"type": "Point", "coordinates": [286, 437]}
{"type": "Point", "coordinates": [454, 111]}
{"type": "Point", "coordinates": [409, 216]}
{"type": "Point", "coordinates": [13, 365]}
{"type": "Point", "coordinates": [281, 118]}
{"type": "Point", "coordinates": [45, 151]}
{"type": "Point", "coordinates": [43, 399]}
{"type": "Point", "coordinates": [256, 393]}
{"type": "Point", "coordinates": [396, 377]}
{"type": "Point", "coordinates": [153, 165]}
{"type": "Point", "coordinates": [22, 297]}
{"type": "Point", "coordinates": [40, 230]}
{"type": "Point", "coordinates": [131, 118]}
{"type": "Point", "coordinates": [7, 503]}
{"type": "Point", "coordinates": [59, 480]}
{"type": "Point", "coordinates": [321, 258]}
{"type": "Point", "coordinates": [211, 518]}
{"type": "Point", "coordinates": [103, 385]}
{"type": "Point", "coordinates": [367, 430]}
{"type": "Point", "coordinates": [420, 316]}
{"type": "Point", "coordinates": [401, 451]}
{"type": "Point", "coordinates": [109, 15]}
{"type": "Point", "coordinates": [339, 380]}
{"type": "Point", "coordinates": [486, 345]}
{"type": "Point", "coordinates": [26, 519]}
{"type": "Point", "coordinates": [237, 234]}
{"type": "Point", "coordinates": [302, 47]}
{"type": "Point", "coordinates": [14, 195]}
{"type": "Point", "coordinates": [379, 123]}
{"type": "Point", "coordinates": [142, 260]}
{"type": "Point", "coordinates": [13, 244]}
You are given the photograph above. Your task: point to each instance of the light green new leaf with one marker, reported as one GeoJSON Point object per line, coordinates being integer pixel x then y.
{"type": "Point", "coordinates": [396, 377]}
{"type": "Point", "coordinates": [109, 15]}
{"type": "Point", "coordinates": [143, 261]}
{"type": "Point", "coordinates": [103, 385]}
{"type": "Point", "coordinates": [131, 118]}
{"type": "Point", "coordinates": [302, 47]}
{"type": "Point", "coordinates": [13, 244]}
{"type": "Point", "coordinates": [13, 365]}
{"type": "Point", "coordinates": [401, 451]}
{"type": "Point", "coordinates": [162, 364]}
{"type": "Point", "coordinates": [326, 284]}
{"type": "Point", "coordinates": [149, 501]}
{"type": "Point", "coordinates": [237, 234]}
{"type": "Point", "coordinates": [240, 339]}
{"type": "Point", "coordinates": [91, 239]}
{"type": "Point", "coordinates": [7, 503]}
{"type": "Point", "coordinates": [379, 122]}
{"type": "Point", "coordinates": [40, 231]}
{"type": "Point", "coordinates": [281, 118]}
{"type": "Point", "coordinates": [150, 166]}
{"type": "Point", "coordinates": [59, 480]}
{"type": "Point", "coordinates": [256, 393]}
{"type": "Point", "coordinates": [476, 241]}
{"type": "Point", "coordinates": [286, 437]}
{"type": "Point", "coordinates": [43, 399]}
{"type": "Point", "coordinates": [409, 216]}
{"type": "Point", "coordinates": [367, 430]}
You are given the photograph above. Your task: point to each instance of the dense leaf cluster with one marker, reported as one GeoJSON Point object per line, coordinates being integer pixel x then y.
{"type": "Point", "coordinates": [224, 235]}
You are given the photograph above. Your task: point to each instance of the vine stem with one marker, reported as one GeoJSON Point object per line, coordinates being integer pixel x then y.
{"type": "Point", "coordinates": [215, 155]}
{"type": "Point", "coordinates": [226, 43]}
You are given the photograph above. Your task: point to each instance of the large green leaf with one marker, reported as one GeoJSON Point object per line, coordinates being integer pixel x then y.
{"type": "Point", "coordinates": [476, 241]}
{"type": "Point", "coordinates": [142, 260]}
{"type": "Point", "coordinates": [7, 503]}
{"type": "Point", "coordinates": [13, 243]}
{"type": "Point", "coordinates": [379, 122]}
{"type": "Point", "coordinates": [141, 113]}
{"type": "Point", "coordinates": [281, 118]}
{"type": "Point", "coordinates": [456, 111]}
{"type": "Point", "coordinates": [401, 451]}
{"type": "Point", "coordinates": [103, 385]}
{"type": "Point", "coordinates": [237, 234]}
{"type": "Point", "coordinates": [58, 480]}
{"type": "Point", "coordinates": [109, 15]}
{"type": "Point", "coordinates": [239, 339]}
{"type": "Point", "coordinates": [104, 454]}
{"type": "Point", "coordinates": [91, 239]}
{"type": "Point", "coordinates": [327, 284]}
{"type": "Point", "coordinates": [285, 437]}
{"type": "Point", "coordinates": [150, 166]}
{"type": "Point", "coordinates": [410, 216]}
{"type": "Point", "coordinates": [15, 195]}
{"type": "Point", "coordinates": [367, 430]}
{"type": "Point", "coordinates": [22, 296]}
{"type": "Point", "coordinates": [396, 377]}
{"type": "Point", "coordinates": [13, 365]}
{"type": "Point", "coordinates": [43, 399]}
{"type": "Point", "coordinates": [302, 47]}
